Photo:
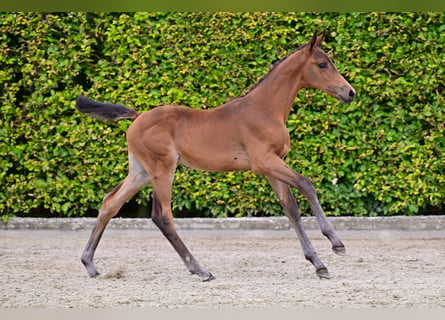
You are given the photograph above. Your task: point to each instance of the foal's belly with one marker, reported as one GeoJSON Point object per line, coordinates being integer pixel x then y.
{"type": "Point", "coordinates": [215, 160]}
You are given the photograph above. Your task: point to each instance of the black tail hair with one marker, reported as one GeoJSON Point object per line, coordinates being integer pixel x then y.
{"type": "Point", "coordinates": [105, 111]}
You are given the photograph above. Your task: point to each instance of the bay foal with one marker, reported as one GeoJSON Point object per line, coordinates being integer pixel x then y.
{"type": "Point", "coordinates": [247, 133]}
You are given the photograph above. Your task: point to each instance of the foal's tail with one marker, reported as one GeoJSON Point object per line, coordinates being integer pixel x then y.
{"type": "Point", "coordinates": [105, 111]}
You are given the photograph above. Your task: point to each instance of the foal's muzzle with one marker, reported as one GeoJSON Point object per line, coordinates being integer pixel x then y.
{"type": "Point", "coordinates": [346, 95]}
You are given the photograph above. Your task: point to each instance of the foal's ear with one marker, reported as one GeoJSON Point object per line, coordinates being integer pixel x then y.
{"type": "Point", "coordinates": [316, 41]}
{"type": "Point", "coordinates": [313, 41]}
{"type": "Point", "coordinates": [320, 39]}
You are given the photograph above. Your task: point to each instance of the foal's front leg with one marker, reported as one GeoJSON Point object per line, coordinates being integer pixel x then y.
{"type": "Point", "coordinates": [290, 207]}
{"type": "Point", "coordinates": [278, 170]}
{"type": "Point", "coordinates": [308, 190]}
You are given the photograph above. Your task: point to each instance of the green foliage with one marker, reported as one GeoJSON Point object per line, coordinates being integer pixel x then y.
{"type": "Point", "coordinates": [383, 154]}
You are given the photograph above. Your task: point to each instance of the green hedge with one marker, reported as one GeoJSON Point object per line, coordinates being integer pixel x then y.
{"type": "Point", "coordinates": [383, 154]}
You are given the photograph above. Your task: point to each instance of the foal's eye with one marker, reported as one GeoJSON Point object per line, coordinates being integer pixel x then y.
{"type": "Point", "coordinates": [322, 65]}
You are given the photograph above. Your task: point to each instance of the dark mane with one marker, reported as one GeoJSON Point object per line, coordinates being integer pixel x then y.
{"type": "Point", "coordinates": [272, 68]}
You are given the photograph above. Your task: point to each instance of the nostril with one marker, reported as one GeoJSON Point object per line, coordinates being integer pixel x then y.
{"type": "Point", "coordinates": [351, 94]}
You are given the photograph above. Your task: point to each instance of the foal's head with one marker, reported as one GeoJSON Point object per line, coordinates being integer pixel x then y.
{"type": "Point", "coordinates": [320, 73]}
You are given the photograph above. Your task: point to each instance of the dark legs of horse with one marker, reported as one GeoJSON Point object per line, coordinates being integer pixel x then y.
{"type": "Point", "coordinates": [113, 201]}
{"type": "Point", "coordinates": [308, 190]}
{"type": "Point", "coordinates": [163, 218]}
{"type": "Point", "coordinates": [280, 177]}
{"type": "Point", "coordinates": [290, 207]}
{"type": "Point", "coordinates": [277, 169]}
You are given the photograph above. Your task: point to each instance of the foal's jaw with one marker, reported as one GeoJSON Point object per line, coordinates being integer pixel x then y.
{"type": "Point", "coordinates": [344, 94]}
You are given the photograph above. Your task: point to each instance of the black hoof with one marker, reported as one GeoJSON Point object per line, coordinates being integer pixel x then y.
{"type": "Point", "coordinates": [91, 270]}
{"type": "Point", "coordinates": [210, 277]}
{"type": "Point", "coordinates": [94, 274]}
{"type": "Point", "coordinates": [340, 250]}
{"type": "Point", "coordinates": [323, 273]}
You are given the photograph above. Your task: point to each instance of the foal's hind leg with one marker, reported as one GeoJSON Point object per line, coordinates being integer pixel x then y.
{"type": "Point", "coordinates": [162, 216]}
{"type": "Point", "coordinates": [113, 201]}
{"type": "Point", "coordinates": [290, 207]}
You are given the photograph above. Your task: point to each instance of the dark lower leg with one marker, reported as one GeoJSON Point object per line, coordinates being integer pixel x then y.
{"type": "Point", "coordinates": [308, 190]}
{"type": "Point", "coordinates": [190, 262]}
{"type": "Point", "coordinates": [88, 253]}
{"type": "Point", "coordinates": [290, 207]}
{"type": "Point", "coordinates": [113, 201]}
{"type": "Point", "coordinates": [288, 177]}
{"type": "Point", "coordinates": [306, 245]}
{"type": "Point", "coordinates": [164, 221]}
{"type": "Point", "coordinates": [326, 228]}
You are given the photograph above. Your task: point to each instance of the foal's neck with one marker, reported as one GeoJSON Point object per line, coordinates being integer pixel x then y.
{"type": "Point", "coordinates": [276, 92]}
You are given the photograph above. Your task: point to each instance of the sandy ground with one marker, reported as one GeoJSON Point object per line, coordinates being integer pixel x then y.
{"type": "Point", "coordinates": [254, 268]}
